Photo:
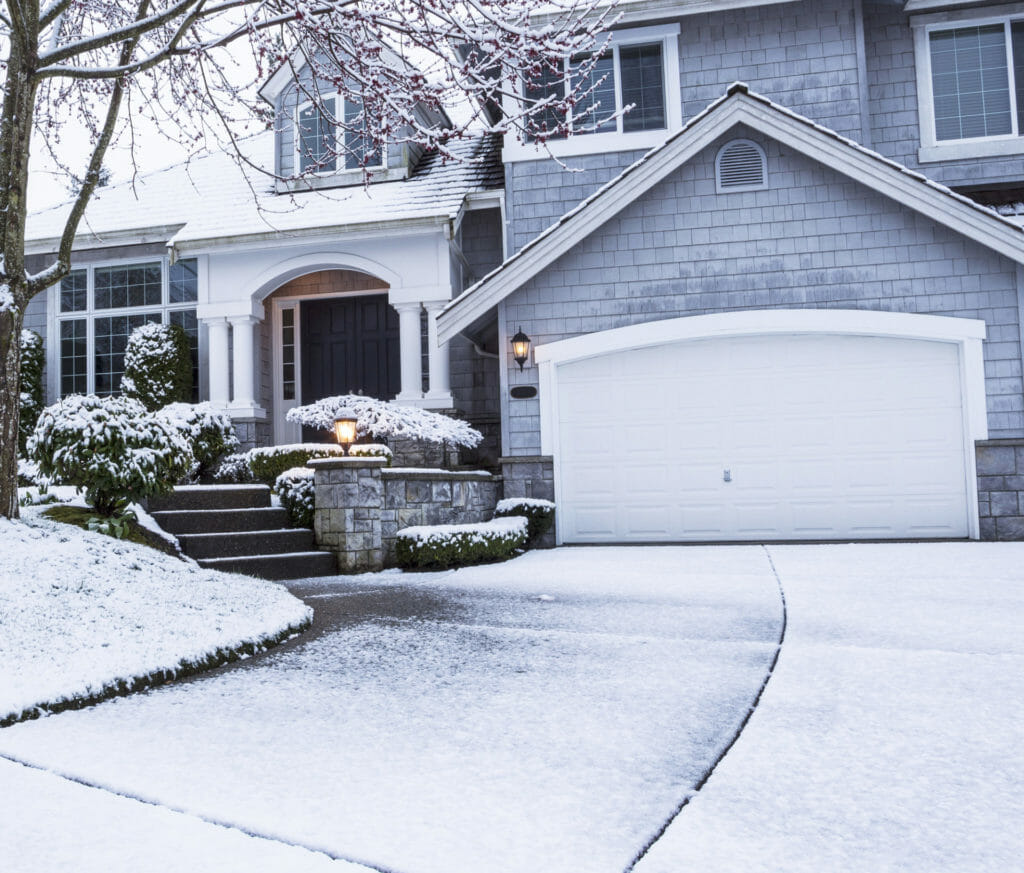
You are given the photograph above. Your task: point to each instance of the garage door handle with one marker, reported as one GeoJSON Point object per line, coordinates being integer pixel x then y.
{"type": "Point", "coordinates": [727, 475]}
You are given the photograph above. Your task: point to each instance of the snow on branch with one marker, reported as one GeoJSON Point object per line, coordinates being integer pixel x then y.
{"type": "Point", "coordinates": [383, 420]}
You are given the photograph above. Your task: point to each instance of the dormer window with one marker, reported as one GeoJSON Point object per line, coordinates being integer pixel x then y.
{"type": "Point", "coordinates": [318, 140]}
{"type": "Point", "coordinates": [639, 68]}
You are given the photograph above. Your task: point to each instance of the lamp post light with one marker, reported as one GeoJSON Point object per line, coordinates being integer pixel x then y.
{"type": "Point", "coordinates": [520, 348]}
{"type": "Point", "coordinates": [345, 429]}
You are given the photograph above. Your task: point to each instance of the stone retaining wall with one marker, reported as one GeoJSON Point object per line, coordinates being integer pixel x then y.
{"type": "Point", "coordinates": [1001, 489]}
{"type": "Point", "coordinates": [361, 505]}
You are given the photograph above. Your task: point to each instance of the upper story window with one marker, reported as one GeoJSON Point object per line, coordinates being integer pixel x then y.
{"type": "Point", "coordinates": [640, 67]}
{"type": "Point", "coordinates": [970, 74]}
{"type": "Point", "coordinates": [323, 143]}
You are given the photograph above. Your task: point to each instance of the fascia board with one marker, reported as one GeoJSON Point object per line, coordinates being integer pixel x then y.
{"type": "Point", "coordinates": [607, 204]}
{"type": "Point", "coordinates": [105, 239]}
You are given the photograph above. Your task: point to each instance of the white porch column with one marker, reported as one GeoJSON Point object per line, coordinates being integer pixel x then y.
{"type": "Point", "coordinates": [439, 364]}
{"type": "Point", "coordinates": [409, 342]}
{"type": "Point", "coordinates": [217, 342]}
{"type": "Point", "coordinates": [243, 394]}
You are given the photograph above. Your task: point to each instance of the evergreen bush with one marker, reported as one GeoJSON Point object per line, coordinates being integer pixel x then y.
{"type": "Point", "coordinates": [539, 513]}
{"type": "Point", "coordinates": [294, 488]}
{"type": "Point", "coordinates": [437, 547]}
{"type": "Point", "coordinates": [157, 365]}
{"type": "Point", "coordinates": [33, 359]}
{"type": "Point", "coordinates": [111, 447]}
{"type": "Point", "coordinates": [210, 433]}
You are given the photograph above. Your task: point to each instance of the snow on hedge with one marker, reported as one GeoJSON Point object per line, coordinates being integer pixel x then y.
{"type": "Point", "coordinates": [211, 433]}
{"type": "Point", "coordinates": [382, 419]}
{"type": "Point", "coordinates": [422, 547]}
{"type": "Point", "coordinates": [85, 616]}
{"type": "Point", "coordinates": [157, 365]}
{"type": "Point", "coordinates": [512, 503]}
{"type": "Point", "coordinates": [479, 532]}
{"type": "Point", "coordinates": [295, 490]}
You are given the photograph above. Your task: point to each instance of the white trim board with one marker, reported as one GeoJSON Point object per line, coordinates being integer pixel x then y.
{"type": "Point", "coordinates": [737, 107]}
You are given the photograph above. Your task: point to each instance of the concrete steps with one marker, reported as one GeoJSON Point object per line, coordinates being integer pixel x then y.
{"type": "Point", "coordinates": [234, 528]}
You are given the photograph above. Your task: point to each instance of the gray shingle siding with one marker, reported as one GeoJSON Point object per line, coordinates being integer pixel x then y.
{"type": "Point", "coordinates": [812, 239]}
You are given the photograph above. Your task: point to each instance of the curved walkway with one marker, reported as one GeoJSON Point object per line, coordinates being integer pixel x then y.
{"type": "Point", "coordinates": [891, 735]}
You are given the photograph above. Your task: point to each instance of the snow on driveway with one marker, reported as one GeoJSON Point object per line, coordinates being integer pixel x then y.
{"type": "Point", "coordinates": [890, 735]}
{"type": "Point", "coordinates": [546, 714]}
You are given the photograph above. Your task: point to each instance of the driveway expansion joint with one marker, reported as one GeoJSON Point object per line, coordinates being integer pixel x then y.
{"type": "Point", "coordinates": [739, 730]}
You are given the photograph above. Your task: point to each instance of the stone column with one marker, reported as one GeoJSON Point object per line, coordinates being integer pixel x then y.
{"type": "Point", "coordinates": [349, 497]}
{"type": "Point", "coordinates": [243, 393]}
{"type": "Point", "coordinates": [437, 355]}
{"type": "Point", "coordinates": [220, 389]}
{"type": "Point", "coordinates": [409, 341]}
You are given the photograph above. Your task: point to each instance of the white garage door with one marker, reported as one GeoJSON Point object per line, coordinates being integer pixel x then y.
{"type": "Point", "coordinates": [763, 438]}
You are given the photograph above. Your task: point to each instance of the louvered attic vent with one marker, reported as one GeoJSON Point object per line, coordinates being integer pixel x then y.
{"type": "Point", "coordinates": [741, 166]}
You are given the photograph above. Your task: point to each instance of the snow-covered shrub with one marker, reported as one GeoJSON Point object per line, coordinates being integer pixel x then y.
{"type": "Point", "coordinates": [436, 547]}
{"type": "Point", "coordinates": [539, 513]}
{"type": "Point", "coordinates": [28, 474]}
{"type": "Point", "coordinates": [371, 450]}
{"type": "Point", "coordinates": [111, 447]}
{"type": "Point", "coordinates": [157, 365]}
{"type": "Point", "coordinates": [269, 462]}
{"type": "Point", "coordinates": [383, 420]}
{"type": "Point", "coordinates": [294, 487]}
{"type": "Point", "coordinates": [33, 358]}
{"type": "Point", "coordinates": [233, 469]}
{"type": "Point", "coordinates": [210, 433]}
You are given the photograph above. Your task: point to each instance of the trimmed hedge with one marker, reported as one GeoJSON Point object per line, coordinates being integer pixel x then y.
{"type": "Point", "coordinates": [539, 513]}
{"type": "Point", "coordinates": [294, 487]}
{"type": "Point", "coordinates": [157, 365]}
{"type": "Point", "coordinates": [437, 547]}
{"type": "Point", "coordinates": [265, 464]}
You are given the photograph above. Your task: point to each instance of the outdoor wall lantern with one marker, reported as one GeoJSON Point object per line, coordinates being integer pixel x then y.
{"type": "Point", "coordinates": [345, 429]}
{"type": "Point", "coordinates": [520, 348]}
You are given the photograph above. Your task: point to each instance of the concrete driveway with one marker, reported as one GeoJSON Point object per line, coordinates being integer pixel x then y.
{"type": "Point", "coordinates": [557, 712]}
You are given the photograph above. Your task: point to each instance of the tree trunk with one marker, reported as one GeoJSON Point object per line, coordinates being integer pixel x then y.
{"type": "Point", "coordinates": [10, 404]}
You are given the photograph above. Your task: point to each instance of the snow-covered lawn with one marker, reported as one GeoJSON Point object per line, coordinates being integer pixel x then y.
{"type": "Point", "coordinates": [891, 734]}
{"type": "Point", "coordinates": [545, 714]}
{"type": "Point", "coordinates": [82, 612]}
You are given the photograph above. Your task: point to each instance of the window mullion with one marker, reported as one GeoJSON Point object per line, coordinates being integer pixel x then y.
{"type": "Point", "coordinates": [617, 75]}
{"type": "Point", "coordinates": [1011, 76]}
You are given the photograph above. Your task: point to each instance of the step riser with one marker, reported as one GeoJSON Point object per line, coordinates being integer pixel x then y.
{"type": "Point", "coordinates": [221, 520]}
{"type": "Point", "coordinates": [278, 566]}
{"type": "Point", "coordinates": [212, 497]}
{"type": "Point", "coordinates": [230, 545]}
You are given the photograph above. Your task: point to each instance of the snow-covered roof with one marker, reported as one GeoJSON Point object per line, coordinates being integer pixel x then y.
{"type": "Point", "coordinates": [737, 106]}
{"type": "Point", "coordinates": [209, 200]}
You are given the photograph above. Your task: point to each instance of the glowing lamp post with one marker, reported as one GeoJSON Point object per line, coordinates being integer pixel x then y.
{"type": "Point", "coordinates": [345, 429]}
{"type": "Point", "coordinates": [520, 348]}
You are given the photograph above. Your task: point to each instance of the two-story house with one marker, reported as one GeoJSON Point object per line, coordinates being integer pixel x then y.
{"type": "Point", "coordinates": [787, 309]}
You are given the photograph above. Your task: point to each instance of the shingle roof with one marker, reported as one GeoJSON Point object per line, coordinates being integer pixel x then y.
{"type": "Point", "coordinates": [209, 198]}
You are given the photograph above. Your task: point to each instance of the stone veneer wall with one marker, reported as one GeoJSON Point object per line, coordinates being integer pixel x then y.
{"type": "Point", "coordinates": [361, 506]}
{"type": "Point", "coordinates": [415, 496]}
{"type": "Point", "coordinates": [1001, 489]}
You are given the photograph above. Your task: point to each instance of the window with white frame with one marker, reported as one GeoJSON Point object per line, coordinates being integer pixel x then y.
{"type": "Point", "coordinates": [639, 68]}
{"type": "Point", "coordinates": [99, 306]}
{"type": "Point", "coordinates": [971, 83]}
{"type": "Point", "coordinates": [321, 140]}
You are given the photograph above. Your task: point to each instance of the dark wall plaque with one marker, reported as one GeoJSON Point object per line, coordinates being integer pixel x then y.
{"type": "Point", "coordinates": [523, 392]}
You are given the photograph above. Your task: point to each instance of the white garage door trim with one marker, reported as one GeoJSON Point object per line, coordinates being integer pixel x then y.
{"type": "Point", "coordinates": [966, 334]}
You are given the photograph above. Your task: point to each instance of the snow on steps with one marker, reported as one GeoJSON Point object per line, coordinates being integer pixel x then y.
{"type": "Point", "coordinates": [234, 528]}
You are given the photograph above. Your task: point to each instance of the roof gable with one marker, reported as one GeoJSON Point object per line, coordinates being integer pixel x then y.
{"type": "Point", "coordinates": [737, 106]}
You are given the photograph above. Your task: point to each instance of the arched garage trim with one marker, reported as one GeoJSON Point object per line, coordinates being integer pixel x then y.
{"type": "Point", "coordinates": [966, 334]}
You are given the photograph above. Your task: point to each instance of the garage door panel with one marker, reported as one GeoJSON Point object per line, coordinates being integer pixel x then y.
{"type": "Point", "coordinates": [824, 436]}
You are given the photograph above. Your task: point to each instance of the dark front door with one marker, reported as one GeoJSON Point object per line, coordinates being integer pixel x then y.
{"type": "Point", "coordinates": [349, 346]}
